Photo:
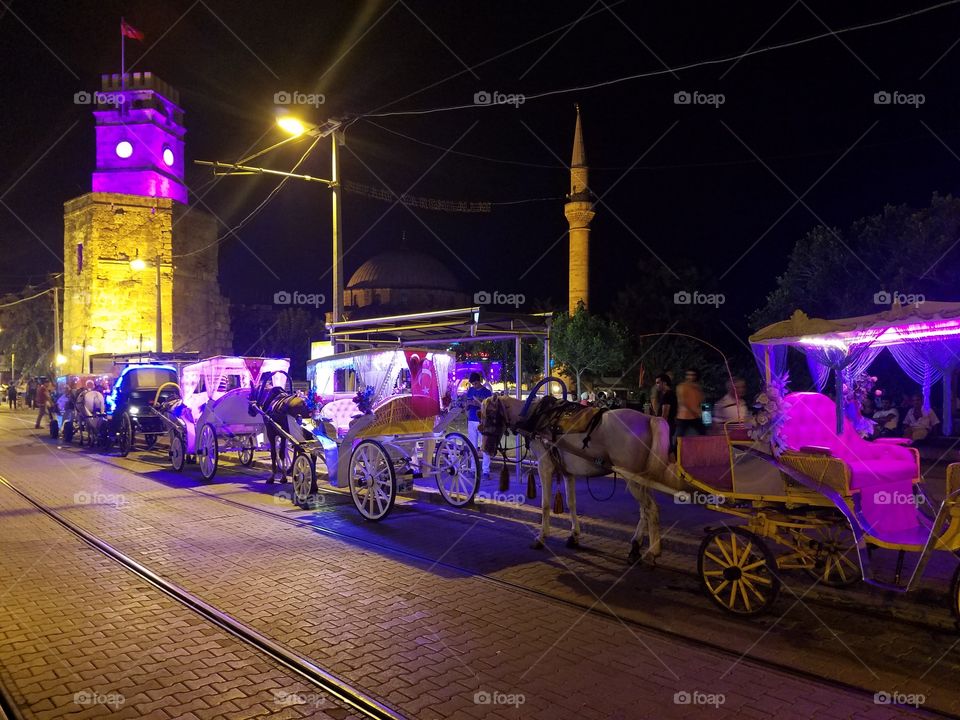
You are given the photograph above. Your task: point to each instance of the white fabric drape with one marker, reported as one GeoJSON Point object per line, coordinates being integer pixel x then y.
{"type": "Point", "coordinates": [926, 362]}
{"type": "Point", "coordinates": [846, 362]}
{"type": "Point", "coordinates": [443, 366]}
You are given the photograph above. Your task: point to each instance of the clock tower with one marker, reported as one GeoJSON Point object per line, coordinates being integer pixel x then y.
{"type": "Point", "coordinates": [133, 247]}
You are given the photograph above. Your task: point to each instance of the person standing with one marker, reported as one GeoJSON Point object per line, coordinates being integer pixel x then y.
{"type": "Point", "coordinates": [665, 401]}
{"type": "Point", "coordinates": [31, 392]}
{"type": "Point", "coordinates": [475, 396]}
{"type": "Point", "coordinates": [689, 400]}
{"type": "Point", "coordinates": [732, 405]}
{"type": "Point", "coordinates": [40, 400]}
{"type": "Point", "coordinates": [12, 395]}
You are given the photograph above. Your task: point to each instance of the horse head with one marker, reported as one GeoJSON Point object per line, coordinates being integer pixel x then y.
{"type": "Point", "coordinates": [493, 423]}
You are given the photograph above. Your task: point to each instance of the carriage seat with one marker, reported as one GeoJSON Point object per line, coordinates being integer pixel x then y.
{"type": "Point", "coordinates": [706, 458]}
{"type": "Point", "coordinates": [339, 413]}
{"type": "Point", "coordinates": [882, 473]}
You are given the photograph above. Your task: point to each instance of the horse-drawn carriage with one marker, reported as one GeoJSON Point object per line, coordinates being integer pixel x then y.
{"type": "Point", "coordinates": [382, 421]}
{"type": "Point", "coordinates": [209, 411]}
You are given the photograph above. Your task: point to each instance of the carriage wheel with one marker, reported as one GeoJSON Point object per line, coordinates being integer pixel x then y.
{"type": "Point", "coordinates": [737, 571]}
{"type": "Point", "coordinates": [125, 435]}
{"type": "Point", "coordinates": [373, 480]}
{"type": "Point", "coordinates": [831, 551]}
{"type": "Point", "coordinates": [304, 476]}
{"type": "Point", "coordinates": [151, 440]}
{"type": "Point", "coordinates": [207, 453]}
{"type": "Point", "coordinates": [457, 467]}
{"type": "Point", "coordinates": [284, 452]}
{"type": "Point", "coordinates": [246, 451]}
{"type": "Point", "coordinates": [178, 452]}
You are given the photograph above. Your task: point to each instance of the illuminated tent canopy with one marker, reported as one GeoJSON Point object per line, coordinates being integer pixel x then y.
{"type": "Point", "coordinates": [924, 339]}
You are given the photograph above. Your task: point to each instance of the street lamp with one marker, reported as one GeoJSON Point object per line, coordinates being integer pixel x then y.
{"type": "Point", "coordinates": [295, 128]}
{"type": "Point", "coordinates": [139, 264]}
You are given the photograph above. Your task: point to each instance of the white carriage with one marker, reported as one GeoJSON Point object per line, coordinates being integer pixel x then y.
{"type": "Point", "coordinates": [214, 414]}
{"type": "Point", "coordinates": [382, 421]}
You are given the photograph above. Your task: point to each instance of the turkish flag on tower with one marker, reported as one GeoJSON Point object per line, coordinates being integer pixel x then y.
{"type": "Point", "coordinates": [128, 30]}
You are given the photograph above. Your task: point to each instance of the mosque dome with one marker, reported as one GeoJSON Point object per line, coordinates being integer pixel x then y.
{"type": "Point", "coordinates": [401, 281]}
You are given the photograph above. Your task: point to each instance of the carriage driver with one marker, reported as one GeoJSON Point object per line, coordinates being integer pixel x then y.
{"type": "Point", "coordinates": [474, 396]}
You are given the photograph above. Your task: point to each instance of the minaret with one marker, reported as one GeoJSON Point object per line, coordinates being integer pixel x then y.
{"type": "Point", "coordinates": [579, 213]}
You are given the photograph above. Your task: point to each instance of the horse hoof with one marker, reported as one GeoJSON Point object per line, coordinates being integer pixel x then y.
{"type": "Point", "coordinates": [634, 555]}
{"type": "Point", "coordinates": [537, 545]}
{"type": "Point", "coordinates": [650, 558]}
{"type": "Point", "coordinates": [573, 542]}
{"type": "Point", "coordinates": [270, 480]}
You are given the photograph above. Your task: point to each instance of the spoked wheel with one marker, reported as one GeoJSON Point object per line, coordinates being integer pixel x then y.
{"type": "Point", "coordinates": [304, 476]}
{"type": "Point", "coordinates": [151, 440]}
{"type": "Point", "coordinates": [178, 451]}
{"type": "Point", "coordinates": [246, 451]}
{"type": "Point", "coordinates": [284, 453]}
{"type": "Point", "coordinates": [125, 435]}
{"type": "Point", "coordinates": [457, 468]}
{"type": "Point", "coordinates": [831, 555]}
{"type": "Point", "coordinates": [737, 571]}
{"type": "Point", "coordinates": [373, 480]}
{"type": "Point", "coordinates": [207, 454]}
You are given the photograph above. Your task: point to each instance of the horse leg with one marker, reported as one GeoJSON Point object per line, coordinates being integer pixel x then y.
{"type": "Point", "coordinates": [651, 511]}
{"type": "Point", "coordinates": [545, 469]}
{"type": "Point", "coordinates": [574, 540]}
{"type": "Point", "coordinates": [273, 456]}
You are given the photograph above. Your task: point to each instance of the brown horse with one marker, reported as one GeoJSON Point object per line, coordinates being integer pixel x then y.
{"type": "Point", "coordinates": [622, 441]}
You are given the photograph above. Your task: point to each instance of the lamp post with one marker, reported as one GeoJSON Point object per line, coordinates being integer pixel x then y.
{"type": "Point", "coordinates": [138, 264]}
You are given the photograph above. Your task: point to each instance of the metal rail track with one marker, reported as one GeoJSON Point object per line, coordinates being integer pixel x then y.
{"type": "Point", "coordinates": [350, 695]}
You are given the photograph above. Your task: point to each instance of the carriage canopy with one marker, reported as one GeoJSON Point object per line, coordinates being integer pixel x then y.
{"type": "Point", "coordinates": [211, 378]}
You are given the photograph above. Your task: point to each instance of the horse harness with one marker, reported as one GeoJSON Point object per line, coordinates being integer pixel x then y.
{"type": "Point", "coordinates": [553, 418]}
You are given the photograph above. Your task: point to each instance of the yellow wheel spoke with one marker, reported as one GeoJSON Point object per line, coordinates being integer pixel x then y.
{"type": "Point", "coordinates": [733, 548]}
{"type": "Point", "coordinates": [733, 594]}
{"type": "Point", "coordinates": [723, 550]}
{"type": "Point", "coordinates": [717, 560]}
{"type": "Point", "coordinates": [743, 594]}
{"type": "Point", "coordinates": [719, 588]}
{"type": "Point", "coordinates": [757, 579]}
{"type": "Point", "coordinates": [749, 585]}
{"type": "Point", "coordinates": [752, 565]}
{"type": "Point", "coordinates": [712, 573]}
{"type": "Point", "coordinates": [746, 554]}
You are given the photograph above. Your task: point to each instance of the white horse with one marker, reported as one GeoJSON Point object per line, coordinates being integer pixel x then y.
{"type": "Point", "coordinates": [622, 441]}
{"type": "Point", "coordinates": [90, 409]}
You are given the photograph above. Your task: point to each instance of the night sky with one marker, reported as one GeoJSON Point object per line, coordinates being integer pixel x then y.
{"type": "Point", "coordinates": [706, 182]}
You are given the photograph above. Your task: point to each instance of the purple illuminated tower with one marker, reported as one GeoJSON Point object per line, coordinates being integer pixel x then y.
{"type": "Point", "coordinates": [139, 138]}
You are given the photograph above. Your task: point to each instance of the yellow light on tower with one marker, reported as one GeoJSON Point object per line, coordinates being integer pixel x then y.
{"type": "Point", "coordinates": [60, 360]}
{"type": "Point", "coordinates": [138, 264]}
{"type": "Point", "coordinates": [291, 125]}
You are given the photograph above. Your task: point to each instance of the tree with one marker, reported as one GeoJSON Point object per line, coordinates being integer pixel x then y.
{"type": "Point", "coordinates": [587, 343]}
{"type": "Point", "coordinates": [840, 273]}
{"type": "Point", "coordinates": [27, 332]}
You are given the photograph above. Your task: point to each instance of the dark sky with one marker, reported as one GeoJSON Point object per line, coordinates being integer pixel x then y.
{"type": "Point", "coordinates": [698, 195]}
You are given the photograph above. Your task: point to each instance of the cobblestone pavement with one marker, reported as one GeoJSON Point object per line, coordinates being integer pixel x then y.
{"type": "Point", "coordinates": [82, 637]}
{"type": "Point", "coordinates": [434, 640]}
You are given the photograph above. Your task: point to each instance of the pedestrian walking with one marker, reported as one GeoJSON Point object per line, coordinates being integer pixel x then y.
{"type": "Point", "coordinates": [689, 401]}
{"type": "Point", "coordinates": [41, 398]}
{"type": "Point", "coordinates": [474, 396]}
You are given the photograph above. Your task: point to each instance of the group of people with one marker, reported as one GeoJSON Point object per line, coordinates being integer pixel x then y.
{"type": "Point", "coordinates": [911, 420]}
{"type": "Point", "coordinates": [683, 407]}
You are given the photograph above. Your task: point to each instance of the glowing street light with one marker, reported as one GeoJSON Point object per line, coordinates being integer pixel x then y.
{"type": "Point", "coordinates": [138, 264]}
{"type": "Point", "coordinates": [291, 125]}
{"type": "Point", "coordinates": [60, 359]}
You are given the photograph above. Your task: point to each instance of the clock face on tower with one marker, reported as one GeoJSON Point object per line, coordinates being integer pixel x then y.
{"type": "Point", "coordinates": [140, 140]}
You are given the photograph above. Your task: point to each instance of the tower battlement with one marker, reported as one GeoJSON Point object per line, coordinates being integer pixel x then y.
{"type": "Point", "coordinates": [139, 81]}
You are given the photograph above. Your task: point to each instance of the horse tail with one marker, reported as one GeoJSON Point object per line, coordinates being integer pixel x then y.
{"type": "Point", "coordinates": [659, 454]}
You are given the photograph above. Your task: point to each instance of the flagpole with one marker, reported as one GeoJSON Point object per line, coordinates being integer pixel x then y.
{"type": "Point", "coordinates": [123, 58]}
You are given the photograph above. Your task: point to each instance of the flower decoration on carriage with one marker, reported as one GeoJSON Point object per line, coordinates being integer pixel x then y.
{"type": "Point", "coordinates": [770, 416]}
{"type": "Point", "coordinates": [364, 399]}
{"type": "Point", "coordinates": [855, 395]}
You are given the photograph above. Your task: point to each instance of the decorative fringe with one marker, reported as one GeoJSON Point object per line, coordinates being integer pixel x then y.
{"type": "Point", "coordinates": [558, 507]}
{"type": "Point", "coordinates": [531, 486]}
{"type": "Point", "coordinates": [504, 478]}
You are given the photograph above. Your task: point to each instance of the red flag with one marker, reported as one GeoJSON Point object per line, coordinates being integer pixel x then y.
{"type": "Point", "coordinates": [128, 30]}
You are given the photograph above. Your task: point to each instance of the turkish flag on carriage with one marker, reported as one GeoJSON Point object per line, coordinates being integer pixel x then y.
{"type": "Point", "coordinates": [424, 391]}
{"type": "Point", "coordinates": [128, 30]}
